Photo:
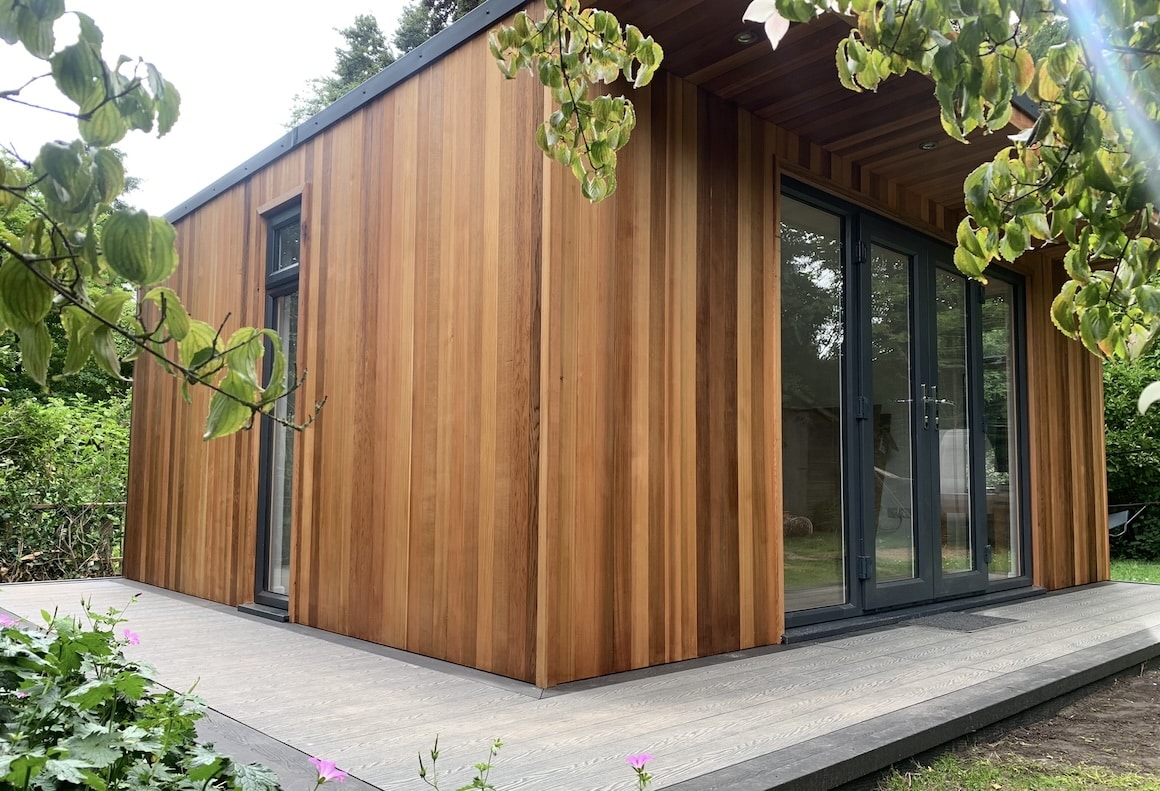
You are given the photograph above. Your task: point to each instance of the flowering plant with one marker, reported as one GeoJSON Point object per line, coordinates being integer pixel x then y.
{"type": "Point", "coordinates": [75, 712]}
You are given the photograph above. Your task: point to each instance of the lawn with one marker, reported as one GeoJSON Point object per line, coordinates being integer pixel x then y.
{"type": "Point", "coordinates": [1135, 571]}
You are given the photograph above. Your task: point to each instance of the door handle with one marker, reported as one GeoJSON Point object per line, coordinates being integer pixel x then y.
{"type": "Point", "coordinates": [934, 400]}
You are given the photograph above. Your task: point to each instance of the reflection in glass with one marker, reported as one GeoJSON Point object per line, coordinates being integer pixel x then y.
{"type": "Point", "coordinates": [948, 409]}
{"type": "Point", "coordinates": [1001, 459]}
{"type": "Point", "coordinates": [286, 255]}
{"type": "Point", "coordinates": [811, 364]}
{"type": "Point", "coordinates": [895, 555]}
{"type": "Point", "coordinates": [282, 443]}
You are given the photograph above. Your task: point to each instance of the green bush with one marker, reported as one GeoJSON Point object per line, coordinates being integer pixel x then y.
{"type": "Point", "coordinates": [63, 466]}
{"type": "Point", "coordinates": [1133, 452]}
{"type": "Point", "coordinates": [75, 713]}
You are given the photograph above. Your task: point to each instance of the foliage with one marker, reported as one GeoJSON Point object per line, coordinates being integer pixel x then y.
{"type": "Point", "coordinates": [363, 55]}
{"type": "Point", "coordinates": [1133, 454]}
{"type": "Point", "coordinates": [571, 50]}
{"type": "Point", "coordinates": [421, 19]}
{"type": "Point", "coordinates": [76, 713]}
{"type": "Point", "coordinates": [79, 249]}
{"type": "Point", "coordinates": [63, 466]}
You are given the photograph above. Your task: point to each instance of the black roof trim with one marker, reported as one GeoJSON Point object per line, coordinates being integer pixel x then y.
{"type": "Point", "coordinates": [463, 30]}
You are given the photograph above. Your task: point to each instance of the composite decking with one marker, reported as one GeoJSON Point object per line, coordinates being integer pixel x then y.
{"type": "Point", "coordinates": [809, 715]}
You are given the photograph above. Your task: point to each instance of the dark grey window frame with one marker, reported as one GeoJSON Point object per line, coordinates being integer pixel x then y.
{"type": "Point", "coordinates": [278, 283]}
{"type": "Point", "coordinates": [855, 438]}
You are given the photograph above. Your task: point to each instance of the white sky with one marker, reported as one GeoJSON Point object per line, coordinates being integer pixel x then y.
{"type": "Point", "coordinates": [236, 63]}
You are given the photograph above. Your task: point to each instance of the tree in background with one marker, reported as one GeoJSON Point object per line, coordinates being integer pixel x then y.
{"type": "Point", "coordinates": [365, 52]}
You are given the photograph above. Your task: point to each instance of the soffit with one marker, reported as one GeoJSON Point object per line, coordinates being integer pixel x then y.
{"type": "Point", "coordinates": [796, 87]}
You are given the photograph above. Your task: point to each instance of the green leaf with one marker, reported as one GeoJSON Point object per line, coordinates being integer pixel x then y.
{"type": "Point", "coordinates": [254, 777]}
{"type": "Point", "coordinates": [168, 109]}
{"type": "Point", "coordinates": [176, 318]}
{"type": "Point", "coordinates": [163, 251]}
{"type": "Point", "coordinates": [201, 339]}
{"type": "Point", "coordinates": [110, 175]}
{"type": "Point", "coordinates": [78, 74]}
{"type": "Point", "coordinates": [35, 349]}
{"type": "Point", "coordinates": [25, 299]}
{"type": "Point", "coordinates": [66, 770]}
{"type": "Point", "coordinates": [127, 244]}
{"type": "Point", "coordinates": [105, 353]}
{"type": "Point", "coordinates": [244, 351]}
{"type": "Point", "coordinates": [104, 126]}
{"type": "Point", "coordinates": [229, 409]}
{"type": "Point", "coordinates": [80, 343]}
{"type": "Point", "coordinates": [36, 32]}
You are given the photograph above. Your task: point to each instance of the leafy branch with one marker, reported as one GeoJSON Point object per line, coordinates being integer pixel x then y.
{"type": "Point", "coordinates": [571, 50]}
{"type": "Point", "coordinates": [70, 251]}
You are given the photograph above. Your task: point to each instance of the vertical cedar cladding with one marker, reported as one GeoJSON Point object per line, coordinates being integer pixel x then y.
{"type": "Point", "coordinates": [658, 459]}
{"type": "Point", "coordinates": [415, 506]}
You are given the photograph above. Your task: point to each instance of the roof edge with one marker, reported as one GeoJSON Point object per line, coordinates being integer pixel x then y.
{"type": "Point", "coordinates": [441, 44]}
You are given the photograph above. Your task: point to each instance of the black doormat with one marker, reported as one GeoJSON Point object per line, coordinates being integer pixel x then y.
{"type": "Point", "coordinates": [960, 621]}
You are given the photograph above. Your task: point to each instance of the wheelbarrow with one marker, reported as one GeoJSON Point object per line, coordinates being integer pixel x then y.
{"type": "Point", "coordinates": [1122, 515]}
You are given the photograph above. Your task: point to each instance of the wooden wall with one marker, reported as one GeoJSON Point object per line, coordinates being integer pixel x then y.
{"type": "Point", "coordinates": [1069, 494]}
{"type": "Point", "coordinates": [659, 456]}
{"type": "Point", "coordinates": [414, 517]}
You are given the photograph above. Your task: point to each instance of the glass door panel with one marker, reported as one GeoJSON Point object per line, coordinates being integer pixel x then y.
{"type": "Point", "coordinates": [813, 336]}
{"type": "Point", "coordinates": [948, 399]}
{"type": "Point", "coordinates": [895, 540]}
{"type": "Point", "coordinates": [1001, 431]}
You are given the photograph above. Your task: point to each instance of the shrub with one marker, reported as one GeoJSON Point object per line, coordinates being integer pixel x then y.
{"type": "Point", "coordinates": [63, 466]}
{"type": "Point", "coordinates": [75, 713]}
{"type": "Point", "coordinates": [1133, 452]}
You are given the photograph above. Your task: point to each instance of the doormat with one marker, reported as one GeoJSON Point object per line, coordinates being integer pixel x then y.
{"type": "Point", "coordinates": [960, 621]}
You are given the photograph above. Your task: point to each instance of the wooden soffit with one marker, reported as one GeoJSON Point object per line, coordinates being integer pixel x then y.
{"type": "Point", "coordinates": [796, 87]}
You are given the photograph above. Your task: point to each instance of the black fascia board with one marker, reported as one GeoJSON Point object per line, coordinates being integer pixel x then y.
{"type": "Point", "coordinates": [472, 24]}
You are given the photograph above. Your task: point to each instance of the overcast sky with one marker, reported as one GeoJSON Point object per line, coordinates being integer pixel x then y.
{"type": "Point", "coordinates": [236, 63]}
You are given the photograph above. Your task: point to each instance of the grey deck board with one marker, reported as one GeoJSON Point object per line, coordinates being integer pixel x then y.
{"type": "Point", "coordinates": [808, 715]}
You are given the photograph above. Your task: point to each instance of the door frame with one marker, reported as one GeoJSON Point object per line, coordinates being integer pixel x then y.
{"type": "Point", "coordinates": [856, 441]}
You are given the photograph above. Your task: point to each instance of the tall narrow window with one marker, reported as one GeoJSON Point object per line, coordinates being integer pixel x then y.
{"type": "Point", "coordinates": [277, 440]}
{"type": "Point", "coordinates": [1001, 416]}
{"type": "Point", "coordinates": [811, 394]}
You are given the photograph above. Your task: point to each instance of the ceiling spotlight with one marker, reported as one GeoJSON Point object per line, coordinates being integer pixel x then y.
{"type": "Point", "coordinates": [929, 145]}
{"type": "Point", "coordinates": [745, 37]}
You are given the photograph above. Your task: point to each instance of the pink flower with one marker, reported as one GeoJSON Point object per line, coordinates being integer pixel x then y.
{"type": "Point", "coordinates": [638, 761]}
{"type": "Point", "coordinates": [131, 637]}
{"type": "Point", "coordinates": [327, 771]}
{"type": "Point", "coordinates": [5, 621]}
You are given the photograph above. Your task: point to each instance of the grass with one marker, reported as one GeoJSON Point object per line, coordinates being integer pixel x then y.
{"type": "Point", "coordinates": [952, 773]}
{"type": "Point", "coordinates": [1135, 571]}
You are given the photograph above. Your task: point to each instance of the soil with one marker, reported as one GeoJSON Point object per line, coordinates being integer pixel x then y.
{"type": "Point", "coordinates": [1114, 724]}
{"type": "Point", "coordinates": [1116, 727]}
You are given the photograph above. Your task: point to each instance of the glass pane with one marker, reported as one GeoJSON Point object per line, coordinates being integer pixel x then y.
{"type": "Point", "coordinates": [286, 242]}
{"type": "Point", "coordinates": [1001, 458]}
{"type": "Point", "coordinates": [811, 364]}
{"type": "Point", "coordinates": [949, 410]}
{"type": "Point", "coordinates": [282, 456]}
{"type": "Point", "coordinates": [895, 554]}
